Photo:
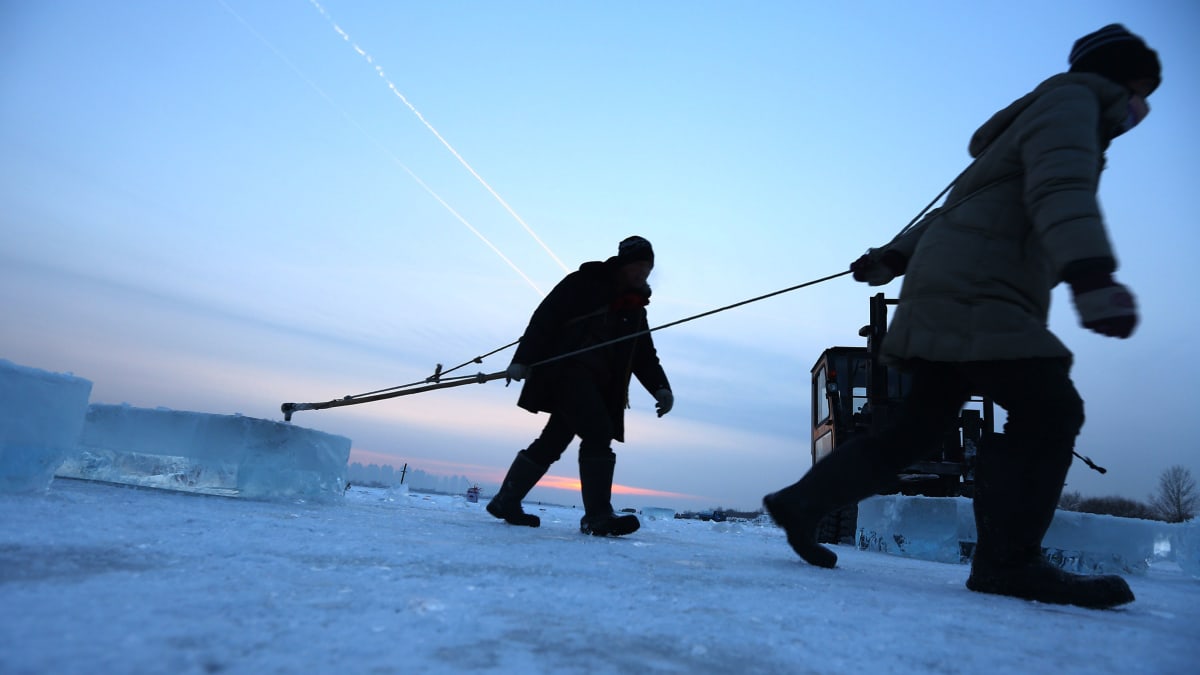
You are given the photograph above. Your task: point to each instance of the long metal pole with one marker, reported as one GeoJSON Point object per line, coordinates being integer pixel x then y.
{"type": "Point", "coordinates": [289, 408]}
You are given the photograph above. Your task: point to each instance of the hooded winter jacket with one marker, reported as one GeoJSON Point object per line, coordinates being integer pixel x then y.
{"type": "Point", "coordinates": [1021, 218]}
{"type": "Point", "coordinates": [587, 308]}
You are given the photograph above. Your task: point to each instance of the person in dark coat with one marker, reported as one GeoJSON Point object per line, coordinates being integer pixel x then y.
{"type": "Point", "coordinates": [576, 367]}
{"type": "Point", "coordinates": [972, 319]}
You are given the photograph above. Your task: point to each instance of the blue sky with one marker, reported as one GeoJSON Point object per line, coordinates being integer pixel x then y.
{"type": "Point", "coordinates": [223, 205]}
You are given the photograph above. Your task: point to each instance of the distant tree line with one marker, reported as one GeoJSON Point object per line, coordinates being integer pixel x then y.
{"type": "Point", "coordinates": [1174, 502]}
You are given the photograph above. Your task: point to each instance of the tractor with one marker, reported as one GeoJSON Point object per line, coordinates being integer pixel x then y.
{"type": "Point", "coordinates": [854, 393]}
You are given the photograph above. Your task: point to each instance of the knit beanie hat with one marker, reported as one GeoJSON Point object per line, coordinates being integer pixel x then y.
{"type": "Point", "coordinates": [1117, 54]}
{"type": "Point", "coordinates": [633, 249]}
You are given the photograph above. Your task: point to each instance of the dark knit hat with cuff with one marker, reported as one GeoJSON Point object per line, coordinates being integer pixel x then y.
{"type": "Point", "coordinates": [634, 249]}
{"type": "Point", "coordinates": [1117, 54]}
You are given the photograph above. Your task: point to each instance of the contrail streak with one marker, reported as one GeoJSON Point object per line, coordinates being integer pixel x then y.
{"type": "Point", "coordinates": [379, 70]}
{"type": "Point", "coordinates": [471, 228]}
{"type": "Point", "coordinates": [380, 145]}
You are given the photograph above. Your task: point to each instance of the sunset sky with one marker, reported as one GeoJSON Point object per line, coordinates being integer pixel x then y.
{"type": "Point", "coordinates": [223, 205]}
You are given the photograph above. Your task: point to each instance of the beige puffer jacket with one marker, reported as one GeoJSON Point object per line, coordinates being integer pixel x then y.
{"type": "Point", "coordinates": [980, 270]}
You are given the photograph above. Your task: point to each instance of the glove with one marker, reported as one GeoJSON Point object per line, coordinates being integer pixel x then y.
{"type": "Point", "coordinates": [666, 401]}
{"type": "Point", "coordinates": [1104, 306]}
{"type": "Point", "coordinates": [877, 268]}
{"type": "Point", "coordinates": [515, 371]}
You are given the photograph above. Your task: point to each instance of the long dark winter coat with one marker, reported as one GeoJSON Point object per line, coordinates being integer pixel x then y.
{"type": "Point", "coordinates": [980, 270]}
{"type": "Point", "coordinates": [587, 308]}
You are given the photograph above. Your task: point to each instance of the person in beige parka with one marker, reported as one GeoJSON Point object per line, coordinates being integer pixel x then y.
{"type": "Point", "coordinates": [972, 319]}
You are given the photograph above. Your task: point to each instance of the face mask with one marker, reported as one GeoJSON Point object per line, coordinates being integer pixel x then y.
{"type": "Point", "coordinates": [1138, 109]}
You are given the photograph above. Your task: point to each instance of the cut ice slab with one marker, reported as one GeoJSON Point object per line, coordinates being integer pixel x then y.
{"type": "Point", "coordinates": [943, 529]}
{"type": "Point", "coordinates": [41, 414]}
{"type": "Point", "coordinates": [927, 528]}
{"type": "Point", "coordinates": [658, 513]}
{"type": "Point", "coordinates": [209, 453]}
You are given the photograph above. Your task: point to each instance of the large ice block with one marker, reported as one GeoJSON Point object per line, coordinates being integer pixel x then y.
{"type": "Point", "coordinates": [1096, 543]}
{"type": "Point", "coordinates": [1185, 545]}
{"type": "Point", "coordinates": [41, 414]}
{"type": "Point", "coordinates": [209, 453]}
{"type": "Point", "coordinates": [927, 528]}
{"type": "Point", "coordinates": [943, 529]}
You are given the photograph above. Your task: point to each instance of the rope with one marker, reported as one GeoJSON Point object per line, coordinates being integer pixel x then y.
{"type": "Point", "coordinates": [930, 204]}
{"type": "Point", "coordinates": [949, 207]}
{"type": "Point", "coordinates": [435, 381]}
{"type": "Point", "coordinates": [690, 318]}
{"type": "Point", "coordinates": [438, 372]}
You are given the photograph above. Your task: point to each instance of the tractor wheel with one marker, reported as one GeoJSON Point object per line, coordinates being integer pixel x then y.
{"type": "Point", "coordinates": [839, 527]}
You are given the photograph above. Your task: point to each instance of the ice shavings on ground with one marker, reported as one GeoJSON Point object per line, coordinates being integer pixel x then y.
{"type": "Point", "coordinates": [99, 578]}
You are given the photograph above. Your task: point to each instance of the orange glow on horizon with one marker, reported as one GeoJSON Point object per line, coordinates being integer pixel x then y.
{"type": "Point", "coordinates": [572, 484]}
{"type": "Point", "coordinates": [559, 482]}
{"type": "Point", "coordinates": [647, 492]}
{"type": "Point", "coordinates": [494, 475]}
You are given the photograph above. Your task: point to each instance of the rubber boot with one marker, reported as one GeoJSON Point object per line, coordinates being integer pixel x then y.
{"type": "Point", "coordinates": [846, 476]}
{"type": "Point", "coordinates": [1016, 492]}
{"type": "Point", "coordinates": [522, 476]}
{"type": "Point", "coordinates": [595, 486]}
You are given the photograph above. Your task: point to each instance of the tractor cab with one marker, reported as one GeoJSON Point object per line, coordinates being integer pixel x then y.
{"type": "Point", "coordinates": [854, 393]}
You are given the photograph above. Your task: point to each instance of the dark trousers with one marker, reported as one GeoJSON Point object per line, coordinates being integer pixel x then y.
{"type": "Point", "coordinates": [1018, 476]}
{"type": "Point", "coordinates": [1045, 412]}
{"type": "Point", "coordinates": [581, 411]}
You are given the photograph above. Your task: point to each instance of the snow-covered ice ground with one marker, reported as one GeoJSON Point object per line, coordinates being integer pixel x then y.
{"type": "Point", "coordinates": [96, 578]}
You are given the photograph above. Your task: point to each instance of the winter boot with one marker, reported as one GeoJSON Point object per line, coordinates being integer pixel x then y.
{"type": "Point", "coordinates": [522, 476]}
{"type": "Point", "coordinates": [846, 476]}
{"type": "Point", "coordinates": [595, 486]}
{"type": "Point", "coordinates": [1016, 491]}
{"type": "Point", "coordinates": [1026, 574]}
